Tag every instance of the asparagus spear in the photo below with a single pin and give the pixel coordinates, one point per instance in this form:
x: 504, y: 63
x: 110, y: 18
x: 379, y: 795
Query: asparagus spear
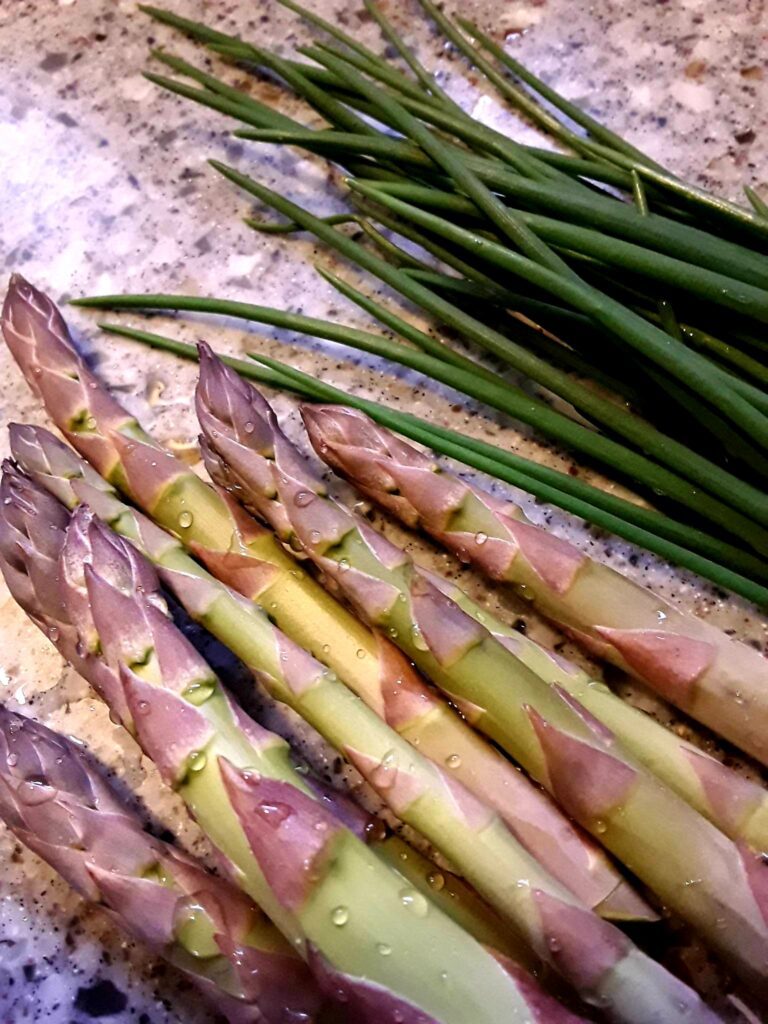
x: 58, y: 804
x: 30, y: 582
x: 555, y: 925
x: 231, y: 545
x: 737, y: 806
x: 370, y: 664
x: 283, y: 847
x: 633, y: 986
x: 542, y: 726
x: 232, y: 415
x: 693, y: 665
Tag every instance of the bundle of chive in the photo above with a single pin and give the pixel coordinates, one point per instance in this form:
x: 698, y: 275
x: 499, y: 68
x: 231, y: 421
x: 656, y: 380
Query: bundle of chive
x: 522, y: 250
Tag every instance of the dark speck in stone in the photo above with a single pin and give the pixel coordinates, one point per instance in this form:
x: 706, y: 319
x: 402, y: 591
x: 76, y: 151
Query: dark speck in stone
x: 53, y: 61
x: 66, y: 120
x: 101, y: 999
x: 167, y: 137
x: 203, y: 245
x: 661, y: 122
x: 744, y: 138
x: 167, y: 836
x: 133, y: 181
x: 30, y: 972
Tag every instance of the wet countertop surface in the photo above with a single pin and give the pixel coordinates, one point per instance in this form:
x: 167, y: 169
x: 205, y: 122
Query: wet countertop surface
x: 104, y: 187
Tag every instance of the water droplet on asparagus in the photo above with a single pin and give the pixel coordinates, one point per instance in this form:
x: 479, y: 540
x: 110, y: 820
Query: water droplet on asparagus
x: 197, y: 761
x: 436, y: 880
x: 418, y: 639
x: 249, y: 427
x: 304, y: 498
x: 383, y: 776
x: 360, y: 652
x: 12, y: 760
x: 275, y: 813
x: 453, y: 761
x: 185, y: 520
x: 143, y: 707
x: 198, y: 693
x: 481, y: 538
x: 414, y: 901
x: 33, y: 792
x: 340, y: 916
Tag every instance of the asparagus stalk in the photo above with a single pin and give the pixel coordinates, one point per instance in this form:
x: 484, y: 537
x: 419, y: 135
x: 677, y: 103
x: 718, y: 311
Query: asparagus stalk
x: 58, y: 804
x: 231, y: 545
x: 232, y: 416
x: 313, y: 875
x: 53, y: 469
x: 553, y: 923
x: 543, y: 727
x: 370, y: 664
x: 737, y: 806
x: 717, y: 680
x: 272, y: 813
x: 408, y: 707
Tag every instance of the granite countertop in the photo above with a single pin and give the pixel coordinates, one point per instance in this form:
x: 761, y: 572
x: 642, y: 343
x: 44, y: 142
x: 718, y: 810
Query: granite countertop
x: 104, y: 187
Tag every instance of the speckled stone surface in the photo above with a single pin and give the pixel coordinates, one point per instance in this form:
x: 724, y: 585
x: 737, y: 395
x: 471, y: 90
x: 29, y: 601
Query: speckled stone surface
x: 104, y: 187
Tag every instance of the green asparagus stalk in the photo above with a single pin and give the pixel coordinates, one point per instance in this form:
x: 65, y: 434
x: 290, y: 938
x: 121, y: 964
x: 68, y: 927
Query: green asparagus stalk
x: 227, y: 407
x: 427, y: 798
x: 57, y: 803
x: 51, y: 468
x: 370, y: 664
x: 277, y: 841
x: 218, y: 768
x: 231, y: 545
x: 644, y: 527
x: 549, y: 733
x: 715, y: 679
x: 408, y: 706
x: 737, y: 806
